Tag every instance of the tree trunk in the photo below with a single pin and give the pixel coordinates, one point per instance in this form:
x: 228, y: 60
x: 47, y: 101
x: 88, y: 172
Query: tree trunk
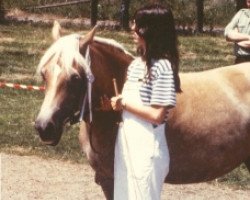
x: 124, y: 20
x: 94, y: 12
x: 1, y: 11
x: 200, y: 15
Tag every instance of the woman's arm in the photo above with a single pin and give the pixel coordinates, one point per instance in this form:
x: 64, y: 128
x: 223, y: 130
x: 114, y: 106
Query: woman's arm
x: 235, y: 36
x: 231, y: 32
x: 154, y: 114
x: 163, y: 95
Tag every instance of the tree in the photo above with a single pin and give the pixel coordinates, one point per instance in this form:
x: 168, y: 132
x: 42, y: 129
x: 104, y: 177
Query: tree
x: 124, y: 19
x: 94, y: 12
x: 200, y: 15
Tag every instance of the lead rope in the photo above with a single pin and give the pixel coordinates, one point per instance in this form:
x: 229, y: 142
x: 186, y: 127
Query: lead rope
x: 135, y: 182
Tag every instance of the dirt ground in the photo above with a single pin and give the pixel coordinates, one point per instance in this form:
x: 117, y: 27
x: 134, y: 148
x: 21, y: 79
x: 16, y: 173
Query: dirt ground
x: 30, y: 177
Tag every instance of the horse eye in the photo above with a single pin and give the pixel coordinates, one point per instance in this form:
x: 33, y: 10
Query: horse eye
x: 75, y: 77
x: 43, y: 76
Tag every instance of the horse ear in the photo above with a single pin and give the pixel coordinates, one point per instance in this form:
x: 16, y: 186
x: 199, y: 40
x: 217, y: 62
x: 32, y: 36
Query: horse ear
x: 88, y: 38
x: 56, y: 31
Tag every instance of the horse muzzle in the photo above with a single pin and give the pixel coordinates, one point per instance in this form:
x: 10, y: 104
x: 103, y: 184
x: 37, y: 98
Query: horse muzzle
x: 49, y: 133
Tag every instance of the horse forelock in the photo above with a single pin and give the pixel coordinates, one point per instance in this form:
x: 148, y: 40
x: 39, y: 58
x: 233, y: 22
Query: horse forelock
x: 64, y: 52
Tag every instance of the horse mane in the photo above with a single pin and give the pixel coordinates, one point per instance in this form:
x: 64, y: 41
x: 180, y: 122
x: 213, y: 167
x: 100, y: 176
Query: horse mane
x: 66, y: 51
x: 112, y: 44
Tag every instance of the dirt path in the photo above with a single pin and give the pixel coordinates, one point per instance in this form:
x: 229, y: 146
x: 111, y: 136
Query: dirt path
x: 30, y: 177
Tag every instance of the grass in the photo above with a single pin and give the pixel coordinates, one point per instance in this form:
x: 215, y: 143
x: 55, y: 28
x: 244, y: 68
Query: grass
x: 204, y: 52
x: 21, y: 47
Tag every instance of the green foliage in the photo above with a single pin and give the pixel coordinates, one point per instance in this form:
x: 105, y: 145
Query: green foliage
x: 219, y: 14
x: 216, y: 12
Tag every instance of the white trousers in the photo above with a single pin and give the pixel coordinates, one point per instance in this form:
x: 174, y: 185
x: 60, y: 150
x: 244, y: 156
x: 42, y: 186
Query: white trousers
x: 141, y: 156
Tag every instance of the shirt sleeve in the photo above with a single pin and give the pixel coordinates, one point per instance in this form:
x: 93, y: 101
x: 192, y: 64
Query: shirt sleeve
x: 233, y: 23
x: 163, y: 89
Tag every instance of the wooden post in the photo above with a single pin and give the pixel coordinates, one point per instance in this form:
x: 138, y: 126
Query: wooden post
x: 1, y: 11
x: 200, y: 15
x: 94, y: 12
x: 124, y: 20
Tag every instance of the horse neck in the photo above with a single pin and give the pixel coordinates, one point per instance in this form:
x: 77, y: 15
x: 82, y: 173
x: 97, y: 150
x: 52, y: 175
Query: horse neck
x: 108, y: 63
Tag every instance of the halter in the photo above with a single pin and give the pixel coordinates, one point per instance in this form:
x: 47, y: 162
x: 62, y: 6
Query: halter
x: 88, y: 95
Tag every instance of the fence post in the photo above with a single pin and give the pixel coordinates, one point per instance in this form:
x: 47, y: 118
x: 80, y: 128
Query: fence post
x: 1, y: 11
x: 124, y: 20
x: 200, y: 15
x: 94, y: 12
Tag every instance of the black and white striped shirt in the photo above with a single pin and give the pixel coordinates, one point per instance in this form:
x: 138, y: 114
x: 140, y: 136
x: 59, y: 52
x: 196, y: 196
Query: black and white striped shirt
x: 159, y: 89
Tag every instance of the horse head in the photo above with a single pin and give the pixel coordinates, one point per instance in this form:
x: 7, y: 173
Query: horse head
x: 63, y: 70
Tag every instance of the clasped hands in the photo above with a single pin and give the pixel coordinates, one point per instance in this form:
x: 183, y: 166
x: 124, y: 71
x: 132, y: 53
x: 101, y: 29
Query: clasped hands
x: 115, y: 103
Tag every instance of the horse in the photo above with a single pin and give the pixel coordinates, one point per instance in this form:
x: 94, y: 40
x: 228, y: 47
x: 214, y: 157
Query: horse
x: 208, y: 132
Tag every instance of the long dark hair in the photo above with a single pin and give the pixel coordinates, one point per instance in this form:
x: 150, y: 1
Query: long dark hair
x: 241, y: 4
x: 155, y: 24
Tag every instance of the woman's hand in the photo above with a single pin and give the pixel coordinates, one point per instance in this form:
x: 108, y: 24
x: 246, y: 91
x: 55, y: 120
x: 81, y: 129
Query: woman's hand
x: 244, y: 44
x: 105, y: 104
x: 116, y: 103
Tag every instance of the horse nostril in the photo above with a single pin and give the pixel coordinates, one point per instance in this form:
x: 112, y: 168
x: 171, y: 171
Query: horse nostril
x: 38, y: 126
x: 50, y: 127
x: 46, y: 130
x: 42, y: 127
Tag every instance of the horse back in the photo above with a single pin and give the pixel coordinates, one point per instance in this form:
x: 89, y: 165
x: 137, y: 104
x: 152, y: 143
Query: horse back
x: 208, y: 132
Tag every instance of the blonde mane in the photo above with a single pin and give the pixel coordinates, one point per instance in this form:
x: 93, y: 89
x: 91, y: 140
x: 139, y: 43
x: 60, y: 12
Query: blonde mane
x: 66, y: 51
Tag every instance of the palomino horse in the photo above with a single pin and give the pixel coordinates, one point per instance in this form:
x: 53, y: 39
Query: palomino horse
x: 208, y: 132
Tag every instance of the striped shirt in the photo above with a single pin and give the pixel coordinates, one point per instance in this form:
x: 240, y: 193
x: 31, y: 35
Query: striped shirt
x: 159, y: 88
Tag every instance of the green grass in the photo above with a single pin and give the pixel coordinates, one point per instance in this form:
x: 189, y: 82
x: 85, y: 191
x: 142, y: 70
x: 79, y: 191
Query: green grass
x: 204, y: 52
x: 21, y: 47
x: 19, y: 109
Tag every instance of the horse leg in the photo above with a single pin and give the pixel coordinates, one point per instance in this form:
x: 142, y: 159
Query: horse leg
x: 247, y: 163
x: 107, y: 185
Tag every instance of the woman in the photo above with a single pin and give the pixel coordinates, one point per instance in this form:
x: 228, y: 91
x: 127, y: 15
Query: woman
x: 238, y: 31
x: 141, y: 151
